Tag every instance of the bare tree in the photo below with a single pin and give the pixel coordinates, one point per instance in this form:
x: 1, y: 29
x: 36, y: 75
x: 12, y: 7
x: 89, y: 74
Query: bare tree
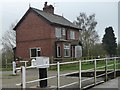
x: 88, y: 35
x: 8, y: 43
x: 9, y: 38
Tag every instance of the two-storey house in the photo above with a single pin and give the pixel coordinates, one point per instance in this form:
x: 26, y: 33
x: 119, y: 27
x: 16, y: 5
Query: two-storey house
x: 43, y: 33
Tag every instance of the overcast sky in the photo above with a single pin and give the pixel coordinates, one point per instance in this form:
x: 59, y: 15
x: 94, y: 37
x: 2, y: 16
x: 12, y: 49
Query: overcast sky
x: 106, y: 11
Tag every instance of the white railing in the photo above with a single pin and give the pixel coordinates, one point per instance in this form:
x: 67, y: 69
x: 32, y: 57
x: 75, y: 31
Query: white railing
x: 115, y: 59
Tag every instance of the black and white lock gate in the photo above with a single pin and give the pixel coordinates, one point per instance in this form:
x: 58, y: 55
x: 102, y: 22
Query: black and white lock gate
x: 42, y: 63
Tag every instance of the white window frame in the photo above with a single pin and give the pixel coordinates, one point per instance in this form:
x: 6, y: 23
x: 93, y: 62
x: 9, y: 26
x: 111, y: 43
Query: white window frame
x: 58, y: 32
x: 58, y: 53
x: 37, y: 49
x: 72, y: 35
x: 67, y: 47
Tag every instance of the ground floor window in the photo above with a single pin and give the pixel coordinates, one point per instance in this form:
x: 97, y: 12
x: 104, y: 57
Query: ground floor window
x: 58, y: 51
x: 66, y: 50
x: 35, y: 52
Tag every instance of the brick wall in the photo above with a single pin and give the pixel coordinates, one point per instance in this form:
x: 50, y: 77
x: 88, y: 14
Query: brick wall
x: 34, y: 32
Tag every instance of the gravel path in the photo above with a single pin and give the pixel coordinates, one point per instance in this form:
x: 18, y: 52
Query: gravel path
x: 9, y: 81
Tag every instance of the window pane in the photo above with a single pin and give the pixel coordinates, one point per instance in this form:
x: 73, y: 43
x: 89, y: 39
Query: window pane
x: 58, y: 32
x: 33, y: 52
x: 66, y: 50
x: 63, y: 31
x: 58, y: 51
x: 72, y: 35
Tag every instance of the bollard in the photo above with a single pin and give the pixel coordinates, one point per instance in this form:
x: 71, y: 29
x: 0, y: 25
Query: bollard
x: 43, y: 74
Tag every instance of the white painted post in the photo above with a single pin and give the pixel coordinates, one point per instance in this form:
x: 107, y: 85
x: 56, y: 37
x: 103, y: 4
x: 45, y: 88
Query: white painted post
x: 14, y: 67
x: 106, y: 76
x: 23, y: 77
x: 80, y: 74
x: 25, y: 64
x: 95, y: 72
x: 114, y: 67
x: 58, y: 75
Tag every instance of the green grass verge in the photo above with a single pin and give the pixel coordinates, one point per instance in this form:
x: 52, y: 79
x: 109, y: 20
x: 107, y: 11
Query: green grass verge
x: 85, y: 66
x: 6, y: 69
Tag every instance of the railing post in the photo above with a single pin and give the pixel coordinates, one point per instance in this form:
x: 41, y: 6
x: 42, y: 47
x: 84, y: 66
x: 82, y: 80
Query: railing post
x: 106, y: 76
x: 14, y: 67
x: 23, y: 77
x: 80, y: 74
x: 58, y: 75
x: 95, y: 72
x: 114, y: 67
x: 25, y: 64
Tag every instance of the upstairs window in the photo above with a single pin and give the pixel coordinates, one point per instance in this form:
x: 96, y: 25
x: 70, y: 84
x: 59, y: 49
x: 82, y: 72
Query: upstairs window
x: 72, y: 35
x: 58, y: 32
x: 34, y: 52
x: 63, y: 31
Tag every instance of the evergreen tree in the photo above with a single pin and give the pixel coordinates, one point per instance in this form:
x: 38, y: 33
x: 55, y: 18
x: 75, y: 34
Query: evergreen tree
x: 109, y: 41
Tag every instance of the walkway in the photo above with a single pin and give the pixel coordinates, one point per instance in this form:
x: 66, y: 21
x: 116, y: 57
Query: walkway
x: 113, y: 83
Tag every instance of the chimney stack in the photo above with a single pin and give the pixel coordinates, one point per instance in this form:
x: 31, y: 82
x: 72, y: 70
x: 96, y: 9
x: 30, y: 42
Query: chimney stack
x: 48, y: 8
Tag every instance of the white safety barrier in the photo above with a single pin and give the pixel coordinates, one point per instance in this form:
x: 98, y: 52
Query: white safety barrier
x: 107, y: 72
x: 15, y: 70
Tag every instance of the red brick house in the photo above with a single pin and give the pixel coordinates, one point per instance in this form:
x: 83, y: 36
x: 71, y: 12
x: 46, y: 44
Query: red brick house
x: 43, y: 33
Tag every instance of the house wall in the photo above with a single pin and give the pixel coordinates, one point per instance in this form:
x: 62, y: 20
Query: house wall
x: 34, y: 32
x: 33, y: 27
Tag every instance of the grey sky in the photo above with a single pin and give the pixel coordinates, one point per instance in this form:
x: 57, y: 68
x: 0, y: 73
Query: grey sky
x: 106, y: 11
x: 119, y: 22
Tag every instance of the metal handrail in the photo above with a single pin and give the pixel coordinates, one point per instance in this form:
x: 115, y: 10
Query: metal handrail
x: 80, y: 71
x: 68, y: 85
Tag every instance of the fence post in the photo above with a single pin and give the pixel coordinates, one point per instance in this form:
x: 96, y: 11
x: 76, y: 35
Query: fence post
x: 95, y: 72
x: 114, y: 67
x: 106, y: 76
x: 58, y: 75
x: 25, y: 64
x: 14, y: 67
x: 80, y: 74
x: 23, y: 77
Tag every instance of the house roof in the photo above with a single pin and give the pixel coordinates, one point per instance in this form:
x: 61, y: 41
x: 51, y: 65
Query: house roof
x: 52, y: 18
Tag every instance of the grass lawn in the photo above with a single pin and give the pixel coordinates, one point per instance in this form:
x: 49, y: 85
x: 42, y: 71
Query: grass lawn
x: 85, y: 66
x: 6, y: 69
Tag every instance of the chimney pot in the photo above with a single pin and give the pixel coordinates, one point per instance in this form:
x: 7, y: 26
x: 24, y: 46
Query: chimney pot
x: 45, y: 4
